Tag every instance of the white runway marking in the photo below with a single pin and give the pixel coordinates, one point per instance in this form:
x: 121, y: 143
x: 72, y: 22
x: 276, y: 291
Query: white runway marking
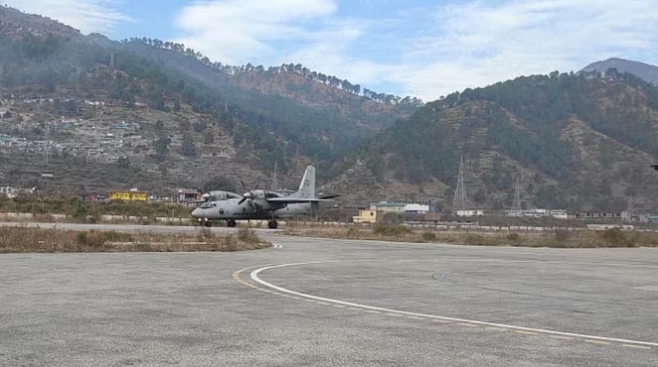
x: 591, y: 338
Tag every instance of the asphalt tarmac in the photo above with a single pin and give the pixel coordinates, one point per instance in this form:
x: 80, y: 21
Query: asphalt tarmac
x: 315, y: 302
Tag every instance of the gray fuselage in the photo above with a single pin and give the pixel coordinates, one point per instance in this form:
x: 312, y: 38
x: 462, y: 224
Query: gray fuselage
x: 231, y: 209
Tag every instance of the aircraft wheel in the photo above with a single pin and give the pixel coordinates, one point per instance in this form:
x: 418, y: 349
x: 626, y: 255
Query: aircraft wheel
x: 207, y: 224
x: 231, y: 223
x: 272, y: 224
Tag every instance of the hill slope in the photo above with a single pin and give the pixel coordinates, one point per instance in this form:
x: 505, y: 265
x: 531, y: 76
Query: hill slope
x: 574, y: 141
x: 193, y: 117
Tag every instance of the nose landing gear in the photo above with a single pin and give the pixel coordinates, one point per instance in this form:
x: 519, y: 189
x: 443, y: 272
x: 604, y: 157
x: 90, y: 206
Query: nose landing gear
x: 272, y: 224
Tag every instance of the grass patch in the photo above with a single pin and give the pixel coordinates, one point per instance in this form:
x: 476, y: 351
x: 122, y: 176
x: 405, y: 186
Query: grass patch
x: 556, y: 239
x: 23, y: 239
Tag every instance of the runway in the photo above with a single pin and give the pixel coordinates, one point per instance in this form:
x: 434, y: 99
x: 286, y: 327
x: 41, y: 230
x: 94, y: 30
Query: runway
x: 316, y: 302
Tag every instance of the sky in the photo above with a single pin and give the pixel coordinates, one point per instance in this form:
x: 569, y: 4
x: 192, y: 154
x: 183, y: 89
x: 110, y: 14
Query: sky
x: 421, y: 48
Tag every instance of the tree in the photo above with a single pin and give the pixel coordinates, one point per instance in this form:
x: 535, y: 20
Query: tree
x: 209, y: 138
x: 184, y: 126
x: 188, y: 148
x: 480, y: 196
x: 161, y: 148
x: 123, y: 163
x: 199, y: 126
x: 219, y: 183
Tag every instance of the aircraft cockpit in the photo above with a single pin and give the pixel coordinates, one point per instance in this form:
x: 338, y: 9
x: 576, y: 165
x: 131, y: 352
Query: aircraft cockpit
x: 208, y: 205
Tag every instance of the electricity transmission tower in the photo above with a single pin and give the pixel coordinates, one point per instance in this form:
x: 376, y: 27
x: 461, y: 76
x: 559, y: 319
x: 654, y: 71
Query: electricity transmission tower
x: 460, y: 202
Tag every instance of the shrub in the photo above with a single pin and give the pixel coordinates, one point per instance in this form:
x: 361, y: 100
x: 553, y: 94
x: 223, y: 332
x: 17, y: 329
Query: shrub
x: 615, y: 237
x: 514, y: 237
x: 352, y: 232
x: 390, y: 230
x: 248, y: 235
x: 474, y: 239
x: 204, y: 233
x: 96, y: 239
x: 429, y: 236
x: 562, y: 235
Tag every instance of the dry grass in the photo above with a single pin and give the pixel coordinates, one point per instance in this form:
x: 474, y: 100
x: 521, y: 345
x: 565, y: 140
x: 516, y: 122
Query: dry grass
x: 24, y: 239
x: 556, y: 239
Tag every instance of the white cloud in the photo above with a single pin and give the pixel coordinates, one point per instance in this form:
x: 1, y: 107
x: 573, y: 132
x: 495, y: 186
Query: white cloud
x: 478, y: 43
x: 241, y: 31
x: 86, y: 15
x: 424, y: 51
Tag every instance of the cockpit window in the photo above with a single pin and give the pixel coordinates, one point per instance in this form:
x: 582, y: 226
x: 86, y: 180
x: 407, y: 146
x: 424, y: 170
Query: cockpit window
x: 208, y: 205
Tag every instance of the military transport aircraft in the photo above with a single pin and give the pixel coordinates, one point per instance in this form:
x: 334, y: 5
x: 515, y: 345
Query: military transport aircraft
x: 260, y: 204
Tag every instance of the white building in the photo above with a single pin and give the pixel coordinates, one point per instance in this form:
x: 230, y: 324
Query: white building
x: 416, y: 208
x: 470, y: 213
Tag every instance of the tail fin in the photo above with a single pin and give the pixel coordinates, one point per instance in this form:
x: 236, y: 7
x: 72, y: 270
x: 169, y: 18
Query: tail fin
x: 307, y: 186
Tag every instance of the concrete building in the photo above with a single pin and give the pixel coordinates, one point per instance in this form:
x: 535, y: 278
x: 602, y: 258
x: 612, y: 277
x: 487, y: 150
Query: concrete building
x: 129, y: 195
x: 368, y: 216
x: 470, y: 213
x: 416, y: 208
x: 387, y: 207
x: 538, y: 213
x: 189, y: 196
x: 623, y: 216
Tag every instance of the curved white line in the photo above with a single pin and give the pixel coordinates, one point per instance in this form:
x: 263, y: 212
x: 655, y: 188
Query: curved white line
x: 256, y: 278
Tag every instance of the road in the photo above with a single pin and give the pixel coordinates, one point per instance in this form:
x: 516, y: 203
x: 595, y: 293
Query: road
x: 316, y: 302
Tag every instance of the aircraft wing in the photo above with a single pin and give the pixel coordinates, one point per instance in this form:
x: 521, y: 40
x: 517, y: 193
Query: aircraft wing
x: 287, y: 200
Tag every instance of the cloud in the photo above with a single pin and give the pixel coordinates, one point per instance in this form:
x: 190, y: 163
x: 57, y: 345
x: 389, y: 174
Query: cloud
x: 477, y: 43
x: 425, y: 50
x: 240, y: 31
x: 86, y: 15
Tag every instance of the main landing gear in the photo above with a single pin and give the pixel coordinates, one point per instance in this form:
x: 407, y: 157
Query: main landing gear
x: 231, y: 223
x: 272, y: 224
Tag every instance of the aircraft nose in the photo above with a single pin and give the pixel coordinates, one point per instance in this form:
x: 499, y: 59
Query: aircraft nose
x: 197, y: 213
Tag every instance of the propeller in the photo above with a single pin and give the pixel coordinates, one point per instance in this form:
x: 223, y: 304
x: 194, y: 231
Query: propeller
x: 248, y: 195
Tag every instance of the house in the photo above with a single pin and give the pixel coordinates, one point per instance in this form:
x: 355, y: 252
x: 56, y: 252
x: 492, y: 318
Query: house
x: 470, y: 213
x: 387, y: 207
x: 368, y: 216
x: 189, y: 197
x: 624, y: 215
x: 416, y: 208
x: 538, y: 213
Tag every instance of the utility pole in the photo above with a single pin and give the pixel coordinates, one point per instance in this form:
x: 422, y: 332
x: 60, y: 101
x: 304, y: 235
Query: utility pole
x: 46, y: 153
x: 275, y: 185
x: 516, y: 205
x: 460, y: 201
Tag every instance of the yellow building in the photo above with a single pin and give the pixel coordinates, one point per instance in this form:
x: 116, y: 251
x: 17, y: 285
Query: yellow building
x: 368, y: 216
x: 129, y: 195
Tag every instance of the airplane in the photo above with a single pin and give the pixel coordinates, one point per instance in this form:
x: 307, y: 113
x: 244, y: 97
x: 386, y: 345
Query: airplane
x: 261, y: 204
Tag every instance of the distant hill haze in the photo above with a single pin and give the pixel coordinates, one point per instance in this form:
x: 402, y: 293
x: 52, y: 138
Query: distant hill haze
x: 647, y: 72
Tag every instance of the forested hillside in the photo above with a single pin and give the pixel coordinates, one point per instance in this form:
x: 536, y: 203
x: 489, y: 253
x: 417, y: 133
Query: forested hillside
x: 574, y: 141
x: 288, y: 114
